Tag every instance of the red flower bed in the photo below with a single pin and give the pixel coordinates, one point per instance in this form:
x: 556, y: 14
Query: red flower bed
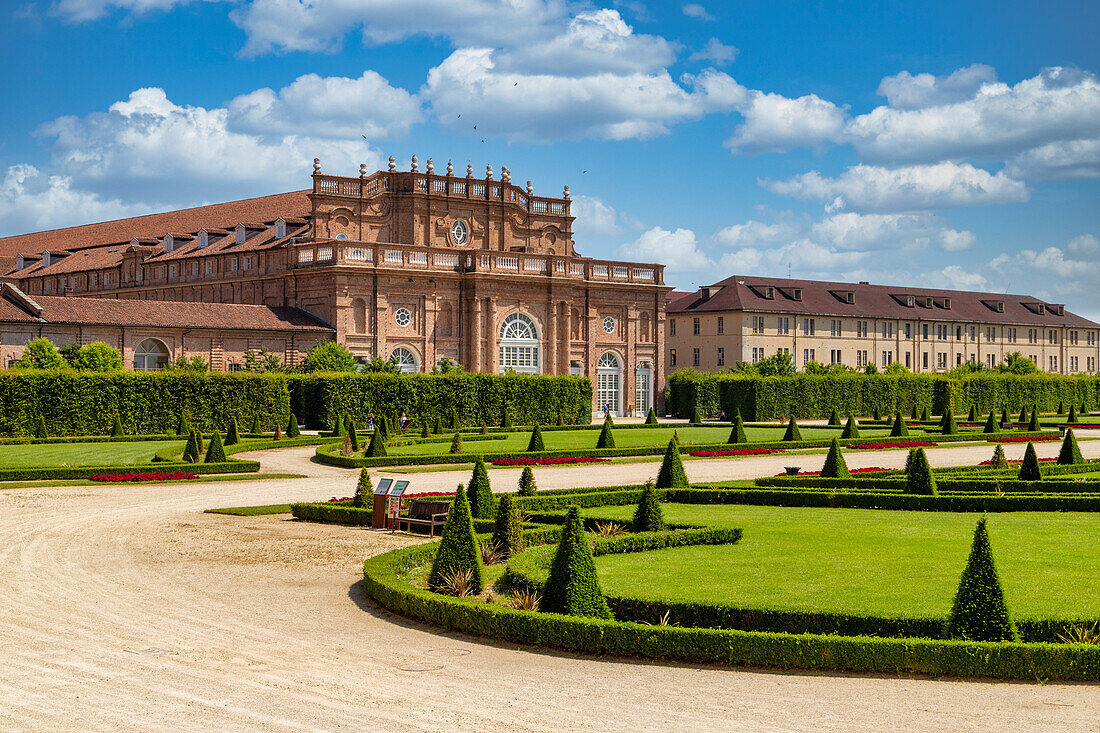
x: 869, y: 469
x: 909, y: 444
x: 734, y: 452
x: 334, y: 500
x: 546, y: 461
x: 1041, y: 460
x: 422, y: 494
x: 118, y: 478
x: 1022, y: 439
x: 1081, y: 426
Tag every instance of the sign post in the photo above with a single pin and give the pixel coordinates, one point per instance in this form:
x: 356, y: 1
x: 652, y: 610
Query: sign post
x: 393, y: 507
x: 378, y: 513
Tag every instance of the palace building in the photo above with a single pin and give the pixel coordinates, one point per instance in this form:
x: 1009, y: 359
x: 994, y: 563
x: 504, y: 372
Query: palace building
x: 747, y: 318
x: 413, y: 265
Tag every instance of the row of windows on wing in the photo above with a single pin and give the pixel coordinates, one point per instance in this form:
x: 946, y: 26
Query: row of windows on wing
x: 210, y: 267
x: 515, y: 326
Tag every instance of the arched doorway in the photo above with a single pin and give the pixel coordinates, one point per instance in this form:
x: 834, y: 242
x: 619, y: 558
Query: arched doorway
x: 150, y: 356
x: 609, y: 380
x: 643, y: 388
x: 406, y: 360
x: 519, y: 344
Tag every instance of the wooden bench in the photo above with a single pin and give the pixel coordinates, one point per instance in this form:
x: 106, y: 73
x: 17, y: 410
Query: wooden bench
x: 430, y: 514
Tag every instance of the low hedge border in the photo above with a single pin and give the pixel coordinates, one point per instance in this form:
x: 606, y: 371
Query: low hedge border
x: 169, y: 455
x: 383, y: 583
x: 89, y: 439
x: 78, y: 472
x: 896, y: 501
x: 944, y: 485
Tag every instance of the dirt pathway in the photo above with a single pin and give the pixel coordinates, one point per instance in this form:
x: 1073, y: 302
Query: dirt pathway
x: 127, y: 609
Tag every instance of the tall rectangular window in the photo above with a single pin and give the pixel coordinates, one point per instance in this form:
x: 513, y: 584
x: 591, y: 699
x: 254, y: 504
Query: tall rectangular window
x: 783, y: 326
x: 672, y: 357
x: 908, y: 330
x: 721, y: 324
x: 695, y: 357
x: 695, y: 326
x: 671, y: 326
x: 721, y: 356
x: 808, y: 327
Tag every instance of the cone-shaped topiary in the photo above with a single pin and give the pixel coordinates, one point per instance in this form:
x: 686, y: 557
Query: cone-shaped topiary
x: 834, y: 419
x: 979, y: 612
x: 191, y: 450
x: 198, y: 440
x: 216, y: 452
x: 527, y: 485
x: 478, y: 492
x: 573, y: 587
x: 292, y: 427
x: 505, y: 418
x: 1072, y: 419
x: 1029, y: 469
x: 364, y: 490
x: 353, y: 435
x: 1084, y: 408
x: 508, y: 527
x: 671, y: 475
x: 1004, y: 416
x: 998, y: 460
x: 918, y: 474
x: 116, y: 427
x: 648, y: 516
x: 916, y: 412
x: 835, y: 466
x: 337, y: 428
x: 456, y: 443
x: 458, y: 550
x: 424, y: 432
x: 561, y: 420
x: 535, y: 444
x: 437, y: 426
x: 990, y: 424
x: 40, y: 428
x: 1033, y: 425
x: 377, y: 445
x: 232, y: 437
x: 973, y: 416
x: 925, y: 416
x: 1023, y: 416
x: 696, y: 417
x: 484, y: 429
x: 851, y: 428
x: 676, y: 436
x: 454, y: 420
x: 255, y: 429
x: 899, y: 428
x: 947, y: 424
x: 1070, y: 453
x: 607, y: 438
x: 383, y: 427
x: 1061, y: 408
x: 793, y: 432
x: 877, y: 413
x: 182, y: 426
x: 651, y: 417
x: 737, y: 434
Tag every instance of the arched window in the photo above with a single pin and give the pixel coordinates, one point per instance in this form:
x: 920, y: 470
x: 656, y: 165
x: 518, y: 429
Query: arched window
x: 519, y: 344
x: 150, y: 355
x: 406, y: 360
x: 609, y: 379
x: 359, y: 316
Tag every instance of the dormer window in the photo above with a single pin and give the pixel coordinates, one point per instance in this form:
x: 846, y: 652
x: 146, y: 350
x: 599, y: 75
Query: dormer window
x: 850, y: 297
x: 797, y: 294
x: 1000, y: 306
x: 1042, y: 309
x: 169, y: 243
x: 241, y: 233
x: 46, y: 258
x: 909, y: 301
x: 769, y: 293
x: 19, y: 263
x: 280, y: 228
x: 204, y: 238
x: 947, y: 303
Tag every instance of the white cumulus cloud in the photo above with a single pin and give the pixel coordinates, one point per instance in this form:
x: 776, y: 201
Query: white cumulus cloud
x: 774, y: 123
x: 914, y: 91
x: 697, y: 11
x: 31, y: 200
x: 594, y: 217
x: 676, y: 249
x: 79, y: 11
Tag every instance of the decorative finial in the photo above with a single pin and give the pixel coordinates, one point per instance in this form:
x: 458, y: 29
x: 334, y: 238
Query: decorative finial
x: 393, y: 163
x: 450, y: 168
x: 316, y: 166
x: 505, y: 174
x: 528, y: 188
x: 566, y: 194
x: 431, y: 166
x: 414, y: 162
x: 362, y: 170
x: 488, y: 172
x: 469, y: 170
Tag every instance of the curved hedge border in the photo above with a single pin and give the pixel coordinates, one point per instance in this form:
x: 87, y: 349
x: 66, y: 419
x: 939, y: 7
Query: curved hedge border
x: 1004, y: 660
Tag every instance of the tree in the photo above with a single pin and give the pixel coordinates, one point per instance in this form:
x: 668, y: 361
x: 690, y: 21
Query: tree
x: 337, y: 428
x: 424, y: 431
x: 1033, y: 425
x: 651, y: 417
x: 116, y: 427
x: 835, y: 466
x: 262, y: 361
x: 1029, y: 469
x: 378, y: 365
x: 191, y: 450
x: 870, y: 368
x: 232, y: 437
x: 815, y: 368
x: 535, y: 444
x: 1017, y: 363
x: 69, y: 351
x: 607, y: 438
x: 925, y: 416
x: 456, y: 443
x: 330, y: 356
x: 947, y: 424
x: 377, y: 445
x: 39, y: 353
x: 998, y: 460
x: 899, y: 428
x: 877, y: 415
x: 895, y: 369
x: 776, y: 365
x: 696, y: 416
x: 834, y: 419
x: 364, y: 489
x: 195, y: 364
x: 97, y: 356
x: 527, y: 485
x: 978, y: 612
x: 793, y: 433
x: 737, y: 434
x: 973, y: 416
x: 446, y: 366
x: 919, y: 478
x: 851, y: 428
x: 198, y: 441
x: 648, y: 516
x: 1070, y: 453
x: 479, y: 493
x: 458, y: 550
x: 1004, y: 416
x: 1061, y: 408
x: 573, y: 587
x: 671, y: 475
x: 353, y: 436
x: 990, y: 424
x: 1023, y: 417
x: 508, y: 527
x: 216, y: 452
x: 1072, y: 419
x: 292, y: 427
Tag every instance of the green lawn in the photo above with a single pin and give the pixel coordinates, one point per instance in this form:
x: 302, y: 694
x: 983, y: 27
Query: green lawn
x: 863, y: 561
x: 81, y: 454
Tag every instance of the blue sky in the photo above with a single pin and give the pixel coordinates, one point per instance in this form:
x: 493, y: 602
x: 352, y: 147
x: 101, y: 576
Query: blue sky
x: 950, y: 144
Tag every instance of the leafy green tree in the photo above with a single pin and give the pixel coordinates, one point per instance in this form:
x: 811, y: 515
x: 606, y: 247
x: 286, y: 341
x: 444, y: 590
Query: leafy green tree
x: 835, y: 466
x: 527, y: 485
x: 815, y: 368
x: 776, y: 365
x: 377, y: 445
x: 895, y: 369
x: 607, y: 438
x: 69, y: 351
x: 870, y: 368
x: 737, y: 434
x: 262, y: 360
x: 330, y: 356
x: 573, y: 588
x: 479, y: 493
x: 232, y: 437
x: 378, y: 365
x: 292, y: 430
x: 39, y: 353
x: 216, y: 452
x: 364, y: 490
x: 793, y: 433
x: 648, y: 516
x: 1070, y: 453
x: 671, y: 475
x: 195, y: 364
x: 899, y: 428
x: 116, y: 427
x: 97, y: 356
x: 919, y: 478
x: 535, y: 444
x: 446, y: 366
x: 978, y: 612
x: 1029, y: 469
x: 851, y: 428
x: 1017, y: 363
x: 651, y: 417
x: 508, y: 527
x: 458, y: 550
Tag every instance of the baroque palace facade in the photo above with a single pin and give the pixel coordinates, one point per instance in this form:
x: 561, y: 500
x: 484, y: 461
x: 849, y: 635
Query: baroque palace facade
x: 747, y: 318
x: 413, y: 265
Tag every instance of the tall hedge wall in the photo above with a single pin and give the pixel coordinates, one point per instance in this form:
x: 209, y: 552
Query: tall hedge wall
x: 474, y: 398
x: 806, y: 396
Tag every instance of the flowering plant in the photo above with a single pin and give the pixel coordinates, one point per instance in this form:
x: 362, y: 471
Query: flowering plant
x: 1022, y: 439
x: 869, y: 469
x: 990, y: 463
x: 735, y: 452
x: 546, y: 461
x: 117, y: 478
x: 901, y: 444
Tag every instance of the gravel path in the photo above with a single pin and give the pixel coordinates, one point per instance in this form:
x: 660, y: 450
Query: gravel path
x: 127, y: 609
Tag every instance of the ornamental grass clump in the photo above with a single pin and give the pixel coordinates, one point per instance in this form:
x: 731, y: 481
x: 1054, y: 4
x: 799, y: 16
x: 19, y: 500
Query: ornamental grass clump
x: 292, y: 427
x: 1033, y: 425
x: 651, y: 417
x: 191, y: 450
x: 834, y: 419
x: 998, y: 460
x: 918, y: 474
x: 737, y: 434
x: 377, y: 446
x: 508, y: 527
x: 607, y: 438
x: 232, y: 437
x: 216, y: 452
x: 793, y: 433
x: 696, y: 417
x: 535, y: 444
x: 458, y: 549
x: 479, y: 493
x: 116, y: 427
x: 456, y: 443
x: 648, y: 516
x: 979, y: 612
x: 671, y: 475
x: 527, y: 485
x: 573, y: 587
x: 990, y: 424
x: 1029, y: 469
x: 1070, y: 454
x: 835, y: 466
x: 947, y: 424
x: 364, y: 490
x: 899, y: 428
x: 851, y: 428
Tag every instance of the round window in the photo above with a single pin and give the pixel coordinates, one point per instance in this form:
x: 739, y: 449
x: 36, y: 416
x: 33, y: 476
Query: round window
x: 402, y: 316
x: 459, y: 232
x: 609, y: 324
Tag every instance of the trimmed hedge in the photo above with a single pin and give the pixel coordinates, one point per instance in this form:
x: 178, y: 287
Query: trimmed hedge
x: 77, y: 472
